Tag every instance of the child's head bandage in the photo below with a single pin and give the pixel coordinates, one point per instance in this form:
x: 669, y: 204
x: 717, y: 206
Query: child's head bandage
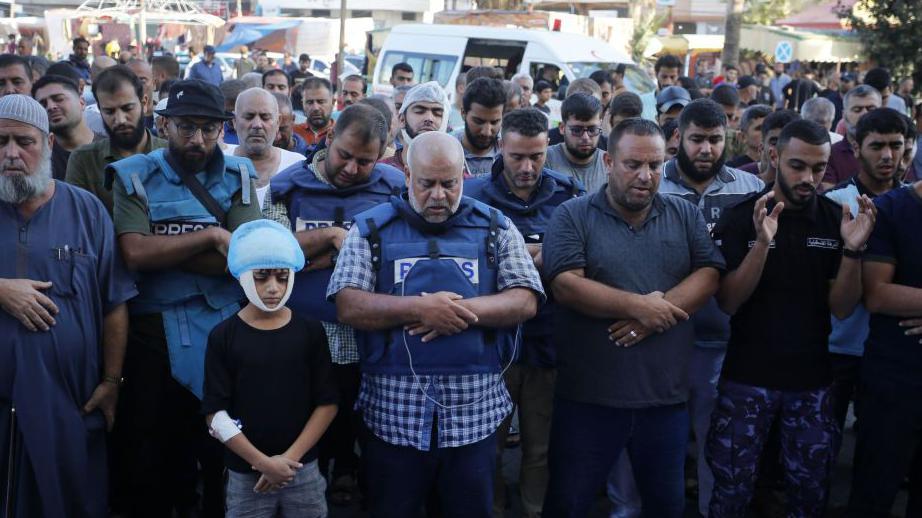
x: 263, y: 245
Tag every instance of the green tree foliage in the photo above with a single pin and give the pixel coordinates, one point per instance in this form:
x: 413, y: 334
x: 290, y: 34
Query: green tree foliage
x: 891, y: 31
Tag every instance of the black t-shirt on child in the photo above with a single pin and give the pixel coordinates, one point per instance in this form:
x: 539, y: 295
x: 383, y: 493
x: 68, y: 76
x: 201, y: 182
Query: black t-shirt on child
x: 270, y: 380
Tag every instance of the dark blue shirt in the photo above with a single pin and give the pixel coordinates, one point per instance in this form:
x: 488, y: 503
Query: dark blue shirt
x: 208, y: 73
x: 889, y: 352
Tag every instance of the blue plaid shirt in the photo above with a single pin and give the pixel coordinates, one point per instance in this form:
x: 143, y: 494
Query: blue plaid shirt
x: 396, y: 408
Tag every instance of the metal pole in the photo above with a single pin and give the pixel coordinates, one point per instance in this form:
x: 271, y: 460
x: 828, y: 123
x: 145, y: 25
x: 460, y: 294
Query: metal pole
x: 239, y: 8
x: 342, y: 43
x: 142, y: 32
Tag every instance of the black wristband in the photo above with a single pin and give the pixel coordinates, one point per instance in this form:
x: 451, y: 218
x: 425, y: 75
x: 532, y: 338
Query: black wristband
x: 852, y: 254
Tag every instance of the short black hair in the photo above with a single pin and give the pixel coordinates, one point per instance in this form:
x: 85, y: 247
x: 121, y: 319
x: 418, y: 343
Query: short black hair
x: 166, y: 63
x: 276, y: 72
x: 64, y: 68
x: 667, y: 61
x: 528, y: 122
x: 670, y: 127
x: 51, y: 79
x: 778, y: 120
x: 601, y: 77
x: 365, y: 121
x: 79, y: 39
x: 580, y: 106
x: 9, y: 60
x: 382, y: 108
x: 803, y: 130
x: 110, y: 79
x: 635, y: 126
x: 542, y: 85
x: 405, y: 67
x: 726, y: 95
x: 882, y: 121
x: 484, y: 91
x: 911, y: 130
x: 879, y: 78
x: 303, y: 57
x: 626, y: 104
x: 753, y: 113
x: 312, y: 83
x: 691, y: 86
x: 704, y: 113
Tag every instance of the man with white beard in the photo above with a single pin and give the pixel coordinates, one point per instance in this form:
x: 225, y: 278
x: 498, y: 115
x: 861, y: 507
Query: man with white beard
x: 64, y: 324
x: 256, y: 118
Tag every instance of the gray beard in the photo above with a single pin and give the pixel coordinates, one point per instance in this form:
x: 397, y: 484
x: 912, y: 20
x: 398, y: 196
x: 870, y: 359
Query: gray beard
x: 19, y: 189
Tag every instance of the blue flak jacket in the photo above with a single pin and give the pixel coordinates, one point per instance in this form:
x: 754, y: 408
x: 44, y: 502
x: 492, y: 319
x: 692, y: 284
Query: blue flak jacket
x: 191, y: 304
x: 532, y: 218
x: 413, y: 256
x: 315, y: 204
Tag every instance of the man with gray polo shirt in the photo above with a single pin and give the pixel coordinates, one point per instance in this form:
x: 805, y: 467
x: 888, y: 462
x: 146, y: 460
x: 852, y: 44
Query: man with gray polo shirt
x: 625, y: 301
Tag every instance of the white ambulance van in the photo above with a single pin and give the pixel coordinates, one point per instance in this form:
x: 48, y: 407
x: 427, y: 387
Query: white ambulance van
x: 441, y: 52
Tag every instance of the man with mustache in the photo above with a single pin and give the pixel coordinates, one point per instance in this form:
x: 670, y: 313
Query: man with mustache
x: 578, y: 155
x: 880, y: 139
x: 256, y: 118
x: 424, y: 109
x: 795, y: 256
x: 699, y: 175
x: 843, y: 163
x: 121, y: 99
x: 286, y: 138
x: 61, y: 98
x: 438, y: 284
x: 627, y: 266
x: 317, y: 102
x: 174, y: 210
x: 527, y: 192
x: 318, y: 200
x: 771, y: 129
x: 482, y: 110
x: 64, y: 321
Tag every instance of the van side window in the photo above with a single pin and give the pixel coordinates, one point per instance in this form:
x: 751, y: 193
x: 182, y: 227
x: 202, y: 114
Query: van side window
x: 426, y: 67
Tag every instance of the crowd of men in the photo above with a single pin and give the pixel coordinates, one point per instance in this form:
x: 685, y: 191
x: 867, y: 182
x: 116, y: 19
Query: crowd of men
x: 255, y: 296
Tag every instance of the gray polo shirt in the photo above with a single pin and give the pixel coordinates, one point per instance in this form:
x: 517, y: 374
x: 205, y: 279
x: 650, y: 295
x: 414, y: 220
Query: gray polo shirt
x: 593, y: 175
x: 477, y: 165
x: 659, y: 254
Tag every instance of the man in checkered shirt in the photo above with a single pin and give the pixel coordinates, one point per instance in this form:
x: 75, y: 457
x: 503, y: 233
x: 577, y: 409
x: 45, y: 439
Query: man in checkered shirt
x: 435, y: 334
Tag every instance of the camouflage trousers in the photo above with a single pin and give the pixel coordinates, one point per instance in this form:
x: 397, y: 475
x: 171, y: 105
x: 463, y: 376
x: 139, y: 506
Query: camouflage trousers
x: 739, y: 427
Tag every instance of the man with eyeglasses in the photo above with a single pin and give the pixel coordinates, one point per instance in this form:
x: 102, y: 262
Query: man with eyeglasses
x: 174, y: 211
x: 578, y: 155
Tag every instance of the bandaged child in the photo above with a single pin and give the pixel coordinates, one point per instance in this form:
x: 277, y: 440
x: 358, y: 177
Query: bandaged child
x: 269, y: 396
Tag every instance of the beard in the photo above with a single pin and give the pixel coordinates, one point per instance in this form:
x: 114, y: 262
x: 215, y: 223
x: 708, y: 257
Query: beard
x: 687, y: 166
x: 440, y: 218
x: 190, y: 164
x: 575, y: 151
x: 476, y: 141
x: 129, y: 141
x: 790, y: 195
x: 19, y: 188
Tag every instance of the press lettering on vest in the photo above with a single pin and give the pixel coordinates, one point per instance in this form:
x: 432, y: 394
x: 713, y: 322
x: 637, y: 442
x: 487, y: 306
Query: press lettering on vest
x: 469, y: 267
x: 305, y: 224
x: 169, y: 228
x: 824, y: 243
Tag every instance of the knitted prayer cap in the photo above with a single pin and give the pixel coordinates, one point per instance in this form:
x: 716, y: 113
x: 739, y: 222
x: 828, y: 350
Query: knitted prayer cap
x: 25, y: 109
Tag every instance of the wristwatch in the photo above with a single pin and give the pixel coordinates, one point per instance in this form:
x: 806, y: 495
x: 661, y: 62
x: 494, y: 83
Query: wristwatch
x: 118, y: 381
x: 852, y: 254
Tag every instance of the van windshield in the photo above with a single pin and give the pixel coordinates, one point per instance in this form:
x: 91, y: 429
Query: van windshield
x: 426, y: 67
x: 635, y: 79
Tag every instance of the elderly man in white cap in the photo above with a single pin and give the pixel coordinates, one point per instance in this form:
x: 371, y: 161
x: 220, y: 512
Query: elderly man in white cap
x: 64, y: 325
x: 425, y: 108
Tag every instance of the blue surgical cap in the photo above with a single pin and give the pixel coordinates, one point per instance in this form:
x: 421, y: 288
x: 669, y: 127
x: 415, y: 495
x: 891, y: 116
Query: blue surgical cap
x: 263, y: 245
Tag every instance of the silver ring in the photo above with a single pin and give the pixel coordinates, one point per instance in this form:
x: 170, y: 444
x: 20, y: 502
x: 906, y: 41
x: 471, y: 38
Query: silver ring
x: 633, y: 334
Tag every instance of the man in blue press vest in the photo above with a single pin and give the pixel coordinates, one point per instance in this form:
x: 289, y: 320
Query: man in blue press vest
x: 527, y: 192
x: 438, y: 284
x: 319, y: 200
x: 174, y: 210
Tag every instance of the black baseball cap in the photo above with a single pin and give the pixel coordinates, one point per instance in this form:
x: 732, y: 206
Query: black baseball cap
x: 195, y: 98
x: 671, y: 96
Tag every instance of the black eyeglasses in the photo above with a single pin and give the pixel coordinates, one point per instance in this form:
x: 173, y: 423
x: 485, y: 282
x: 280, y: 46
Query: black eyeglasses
x: 592, y: 131
x: 209, y: 131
